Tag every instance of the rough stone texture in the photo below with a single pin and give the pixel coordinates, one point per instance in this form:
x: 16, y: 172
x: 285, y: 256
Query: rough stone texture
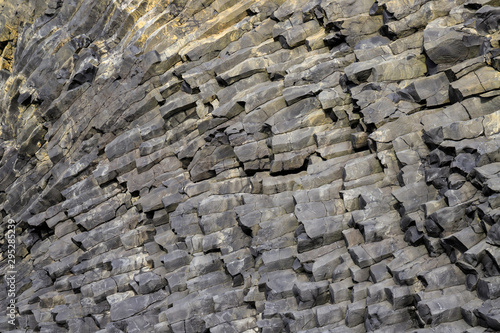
x: 250, y: 166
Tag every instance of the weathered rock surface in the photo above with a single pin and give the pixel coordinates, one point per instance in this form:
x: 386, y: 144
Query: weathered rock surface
x: 250, y: 166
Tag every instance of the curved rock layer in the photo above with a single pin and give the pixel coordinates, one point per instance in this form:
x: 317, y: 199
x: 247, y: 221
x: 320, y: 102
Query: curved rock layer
x: 251, y: 166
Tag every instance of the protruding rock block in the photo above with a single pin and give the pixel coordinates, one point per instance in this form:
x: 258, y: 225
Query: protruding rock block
x: 443, y: 309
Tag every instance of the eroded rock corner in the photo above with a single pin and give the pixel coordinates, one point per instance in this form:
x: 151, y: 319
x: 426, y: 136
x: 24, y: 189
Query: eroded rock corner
x: 251, y: 166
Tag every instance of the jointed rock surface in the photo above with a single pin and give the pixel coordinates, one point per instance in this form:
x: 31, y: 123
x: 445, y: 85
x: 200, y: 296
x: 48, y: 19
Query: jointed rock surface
x: 251, y: 166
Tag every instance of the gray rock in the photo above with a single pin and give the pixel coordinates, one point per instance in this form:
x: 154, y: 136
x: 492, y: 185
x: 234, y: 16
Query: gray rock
x: 361, y: 167
x: 488, y: 288
x: 433, y: 90
x: 360, y: 256
x: 376, y: 293
x: 277, y: 259
x: 208, y: 280
x: 300, y: 320
x: 252, y: 151
x: 448, y: 219
x: 234, y: 315
x: 381, y: 316
x: 121, y: 165
x: 463, y: 240
x: 242, y: 70
x: 312, y: 293
x: 387, y: 68
x: 463, y: 194
x: 279, y: 284
x: 355, y: 313
x: 217, y: 222
x: 494, y: 234
x: 289, y: 118
x: 467, y: 311
x: 100, y: 214
x: 281, y: 230
x: 62, y: 247
x: 149, y: 282
x: 204, y: 264
x: 341, y: 291
x: 484, y: 79
x: 399, y: 127
x: 447, y: 45
x: 177, y: 280
x: 290, y: 160
x: 296, y: 35
x: 344, y: 9
x: 314, y: 166
x: 176, y: 259
x: 380, y: 228
x: 413, y: 195
x: 133, y: 305
x: 442, y: 277
x: 328, y: 229
x: 323, y: 267
x: 227, y: 240
x: 443, y: 309
x: 83, y: 325
x: 488, y: 313
x: 178, y: 102
x: 123, y: 144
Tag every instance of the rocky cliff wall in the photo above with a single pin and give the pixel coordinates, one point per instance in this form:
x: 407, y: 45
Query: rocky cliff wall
x: 250, y: 166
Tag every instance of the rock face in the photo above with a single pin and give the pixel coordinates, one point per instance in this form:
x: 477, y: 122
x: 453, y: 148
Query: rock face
x: 250, y: 166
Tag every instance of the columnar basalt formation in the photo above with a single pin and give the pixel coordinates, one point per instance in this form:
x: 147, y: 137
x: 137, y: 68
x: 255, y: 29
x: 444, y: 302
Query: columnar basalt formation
x: 251, y: 165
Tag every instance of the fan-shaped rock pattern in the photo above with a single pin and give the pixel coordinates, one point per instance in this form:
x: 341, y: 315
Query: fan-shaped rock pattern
x: 250, y: 166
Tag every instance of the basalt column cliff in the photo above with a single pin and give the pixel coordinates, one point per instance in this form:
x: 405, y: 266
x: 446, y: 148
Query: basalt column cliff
x: 221, y: 166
